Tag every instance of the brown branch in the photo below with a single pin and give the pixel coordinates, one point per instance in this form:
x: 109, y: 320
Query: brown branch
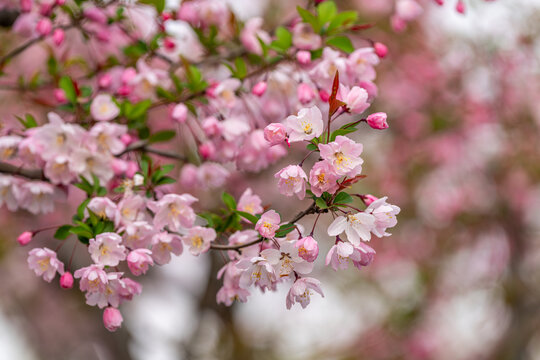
x: 143, y: 146
x: 32, y: 174
x: 312, y: 209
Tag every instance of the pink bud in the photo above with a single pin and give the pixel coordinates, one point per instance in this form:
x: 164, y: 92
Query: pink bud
x: 58, y: 37
x: 124, y: 90
x: 368, y: 199
x: 127, y: 139
x: 25, y: 238
x: 105, y: 81
x: 26, y: 5
x: 460, y: 7
x: 188, y: 12
x: 323, y: 95
x: 112, y: 319
x: 303, y: 57
x: 119, y: 166
x: 166, y: 16
x: 275, y: 133
x: 60, y: 96
x: 440, y: 2
x: 179, y: 113
x: 66, y: 280
x: 207, y: 150
x: 128, y: 75
x: 169, y: 44
x: 44, y: 27
x: 305, y: 93
x: 308, y: 249
x: 211, y: 126
x: 380, y: 49
x: 60, y: 2
x: 96, y: 15
x: 45, y: 9
x: 259, y: 88
x: 377, y: 121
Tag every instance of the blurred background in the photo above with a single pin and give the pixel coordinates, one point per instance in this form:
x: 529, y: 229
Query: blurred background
x: 460, y: 277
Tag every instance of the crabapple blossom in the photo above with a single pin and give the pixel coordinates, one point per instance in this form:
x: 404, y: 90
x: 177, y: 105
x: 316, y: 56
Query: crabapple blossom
x: 385, y: 216
x: 357, y: 227
x: 112, y: 319
x: 250, y: 202
x: 231, y: 289
x: 66, y: 280
x: 139, y: 260
x: 292, y: 180
x: 138, y: 234
x: 103, y: 108
x: 305, y: 93
x: 344, y: 155
x: 25, y: 238
x: 107, y: 249
x: 300, y: 291
x: 287, y: 260
x: 356, y: 99
x: 259, y: 88
x: 268, y: 224
x: 308, y: 124
x: 308, y: 249
x: 165, y: 244
x: 323, y: 177
x: 377, y: 121
x: 339, y: 255
x: 43, y: 262
x: 93, y: 278
x: 199, y: 239
x: 179, y: 113
x: 304, y: 38
x: 275, y: 133
x: 257, y: 270
x: 173, y: 211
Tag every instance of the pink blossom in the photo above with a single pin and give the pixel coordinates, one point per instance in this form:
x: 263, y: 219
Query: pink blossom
x: 304, y: 38
x: 179, y: 113
x: 107, y: 249
x: 275, y: 133
x: 173, y: 211
x: 103, y: 207
x: 380, y: 49
x: 308, y: 249
x: 212, y: 175
x: 139, y: 260
x: 305, y: 93
x: 286, y: 260
x: 112, y: 319
x: 96, y: 15
x: 357, y: 227
x: 256, y: 270
x: 37, y: 197
x: 460, y: 7
x: 408, y: 10
x: 323, y: 177
x: 339, y: 255
x: 292, y: 180
x: 268, y: 224
x: 377, y: 121
x: 300, y: 291
x: 250, y: 203
x: 385, y: 216
x: 163, y: 244
x: 360, y: 64
x: 107, y: 137
x: 25, y: 238
x: 344, y: 155
x: 57, y: 170
x: 207, y: 150
x: 368, y: 199
x: 103, y: 108
x: 241, y: 238
x: 87, y: 163
x: 211, y: 126
x: 356, y: 99
x: 93, y: 278
x: 66, y: 280
x: 44, y: 27
x: 130, y: 209
x: 308, y: 124
x: 231, y: 289
x: 325, y: 70
x: 129, y: 288
x: 224, y: 92
x: 45, y: 263
x: 138, y: 234
x: 8, y: 146
x: 9, y: 192
x: 198, y: 239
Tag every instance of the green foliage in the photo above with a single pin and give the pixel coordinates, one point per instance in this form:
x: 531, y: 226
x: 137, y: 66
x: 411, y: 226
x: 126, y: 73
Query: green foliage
x: 284, y: 230
x: 161, y: 136
x: 68, y: 86
x: 283, y: 40
x: 28, y: 122
x: 228, y: 200
x: 342, y: 43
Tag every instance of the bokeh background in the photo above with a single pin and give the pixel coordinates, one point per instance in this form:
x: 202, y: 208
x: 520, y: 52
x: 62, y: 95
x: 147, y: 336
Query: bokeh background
x: 460, y: 277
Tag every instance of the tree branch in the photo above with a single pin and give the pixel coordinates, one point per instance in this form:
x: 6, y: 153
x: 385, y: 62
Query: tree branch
x: 143, y: 146
x: 32, y: 174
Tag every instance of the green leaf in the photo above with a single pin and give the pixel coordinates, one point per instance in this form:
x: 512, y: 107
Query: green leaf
x: 321, y: 203
x: 284, y: 230
x: 341, y: 132
x: 241, y: 68
x: 161, y: 136
x: 67, y: 85
x: 63, y: 232
x: 158, y: 4
x: 309, y: 18
x: 165, y: 180
x: 283, y: 39
x: 342, y: 19
x: 81, y: 208
x: 343, y: 198
x: 135, y: 111
x: 81, y: 231
x: 326, y: 12
x: 342, y: 43
x: 250, y: 217
x: 228, y: 200
x: 312, y: 147
x: 162, y: 93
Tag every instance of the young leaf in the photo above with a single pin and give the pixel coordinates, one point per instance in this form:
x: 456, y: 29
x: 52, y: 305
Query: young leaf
x: 67, y: 85
x: 309, y: 18
x: 343, y: 198
x: 63, y: 232
x: 228, y: 200
x: 326, y: 12
x: 321, y: 203
x: 250, y: 217
x: 161, y: 136
x: 342, y: 43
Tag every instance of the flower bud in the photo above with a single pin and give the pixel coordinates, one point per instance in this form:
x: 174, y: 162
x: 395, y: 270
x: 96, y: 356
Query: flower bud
x: 211, y: 126
x: 207, y: 150
x: 44, y: 27
x: 58, y: 37
x: 179, y: 113
x: 132, y: 168
x: 308, y: 249
x: 303, y: 57
x: 275, y: 133
x: 368, y: 199
x: 26, y: 5
x: 259, y: 88
x: 105, y: 81
x: 324, y: 95
x: 380, y: 49
x: 460, y: 7
x: 305, y: 93
x: 66, y: 280
x: 169, y: 44
x: 25, y: 238
x: 112, y: 319
x: 377, y: 121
